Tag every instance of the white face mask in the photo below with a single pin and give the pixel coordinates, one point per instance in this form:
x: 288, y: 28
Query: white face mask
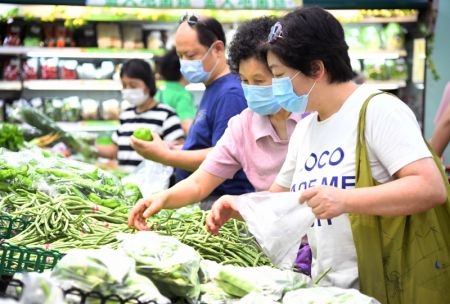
x: 136, y: 97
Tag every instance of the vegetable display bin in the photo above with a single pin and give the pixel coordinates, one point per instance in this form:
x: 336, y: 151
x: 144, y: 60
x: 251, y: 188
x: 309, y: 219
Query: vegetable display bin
x: 23, y: 259
x: 10, y: 226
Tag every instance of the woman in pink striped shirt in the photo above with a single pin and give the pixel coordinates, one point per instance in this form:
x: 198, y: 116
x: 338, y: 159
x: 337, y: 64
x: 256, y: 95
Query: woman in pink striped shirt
x: 256, y: 140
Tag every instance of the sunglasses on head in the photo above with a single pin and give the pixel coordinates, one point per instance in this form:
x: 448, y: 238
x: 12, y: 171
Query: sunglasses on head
x: 275, y: 32
x: 191, y: 19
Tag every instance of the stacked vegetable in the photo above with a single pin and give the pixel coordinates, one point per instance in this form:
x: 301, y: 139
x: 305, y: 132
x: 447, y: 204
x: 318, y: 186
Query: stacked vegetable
x: 233, y: 246
x: 69, y: 204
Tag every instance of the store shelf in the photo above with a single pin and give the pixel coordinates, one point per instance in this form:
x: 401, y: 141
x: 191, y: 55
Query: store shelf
x: 10, y: 86
x: 195, y: 87
x: 72, y: 85
x: 81, y: 52
x: 89, y: 126
x: 386, y: 85
x: 377, y: 54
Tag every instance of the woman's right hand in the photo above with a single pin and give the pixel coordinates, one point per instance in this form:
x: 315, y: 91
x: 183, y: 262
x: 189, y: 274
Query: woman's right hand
x: 144, y: 209
x: 221, y: 212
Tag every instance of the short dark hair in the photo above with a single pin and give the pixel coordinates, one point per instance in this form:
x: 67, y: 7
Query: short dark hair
x: 250, y: 41
x: 168, y: 66
x: 209, y: 30
x: 310, y: 34
x: 140, y: 69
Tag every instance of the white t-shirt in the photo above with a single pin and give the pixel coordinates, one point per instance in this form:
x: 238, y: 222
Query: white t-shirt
x: 323, y: 152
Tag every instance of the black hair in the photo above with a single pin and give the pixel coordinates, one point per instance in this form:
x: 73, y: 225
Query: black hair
x: 310, y: 34
x: 168, y: 66
x: 209, y: 30
x: 250, y: 41
x: 140, y: 69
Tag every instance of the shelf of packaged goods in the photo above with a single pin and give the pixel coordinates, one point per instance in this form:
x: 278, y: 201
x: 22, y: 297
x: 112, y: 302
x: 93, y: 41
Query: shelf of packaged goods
x: 10, y: 86
x: 90, y: 126
x: 72, y: 85
x: 377, y: 54
x: 94, y: 53
x: 386, y: 85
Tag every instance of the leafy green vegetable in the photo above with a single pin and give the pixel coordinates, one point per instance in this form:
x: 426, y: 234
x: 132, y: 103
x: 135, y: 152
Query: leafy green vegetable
x: 11, y: 137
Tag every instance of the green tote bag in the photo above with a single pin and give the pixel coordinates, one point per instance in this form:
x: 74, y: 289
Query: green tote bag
x: 402, y: 259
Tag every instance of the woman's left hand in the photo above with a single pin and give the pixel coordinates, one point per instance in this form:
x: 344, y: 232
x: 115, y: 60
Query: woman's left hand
x: 155, y: 150
x: 326, y: 202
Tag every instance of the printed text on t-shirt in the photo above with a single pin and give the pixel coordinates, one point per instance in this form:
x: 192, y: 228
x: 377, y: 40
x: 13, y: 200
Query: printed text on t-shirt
x: 318, y: 161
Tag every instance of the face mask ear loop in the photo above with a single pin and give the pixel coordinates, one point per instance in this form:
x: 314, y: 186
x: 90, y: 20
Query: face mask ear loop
x: 312, y: 87
x: 207, y: 53
x: 215, y: 65
x: 296, y: 74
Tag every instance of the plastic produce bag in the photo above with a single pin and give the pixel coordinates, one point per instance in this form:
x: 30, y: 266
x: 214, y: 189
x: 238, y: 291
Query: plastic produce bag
x: 278, y: 222
x: 93, y: 269
x: 151, y: 177
x: 106, y: 271
x: 237, y: 281
x: 255, y: 298
x: 171, y: 265
x: 39, y: 288
x: 329, y: 295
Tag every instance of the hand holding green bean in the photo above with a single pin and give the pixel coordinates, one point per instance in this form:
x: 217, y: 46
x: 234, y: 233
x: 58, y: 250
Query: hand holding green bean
x: 221, y: 212
x: 144, y: 209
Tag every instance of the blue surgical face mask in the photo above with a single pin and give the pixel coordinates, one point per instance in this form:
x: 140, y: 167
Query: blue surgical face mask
x: 193, y: 70
x: 284, y: 94
x: 260, y: 99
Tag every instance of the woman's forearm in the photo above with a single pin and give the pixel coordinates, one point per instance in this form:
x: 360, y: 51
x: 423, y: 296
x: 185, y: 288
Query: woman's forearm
x: 193, y: 189
x: 407, y: 195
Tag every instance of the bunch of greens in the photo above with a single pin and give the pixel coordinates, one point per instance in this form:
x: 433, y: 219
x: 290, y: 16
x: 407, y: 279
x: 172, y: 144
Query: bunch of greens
x: 11, y: 137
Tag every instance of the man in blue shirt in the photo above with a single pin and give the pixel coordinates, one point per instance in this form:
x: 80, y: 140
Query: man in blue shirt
x: 200, y: 44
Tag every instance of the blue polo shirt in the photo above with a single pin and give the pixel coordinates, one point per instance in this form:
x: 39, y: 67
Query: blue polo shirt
x: 221, y: 100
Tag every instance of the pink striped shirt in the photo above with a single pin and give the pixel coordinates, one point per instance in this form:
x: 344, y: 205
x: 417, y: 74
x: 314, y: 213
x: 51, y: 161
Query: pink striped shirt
x: 251, y: 143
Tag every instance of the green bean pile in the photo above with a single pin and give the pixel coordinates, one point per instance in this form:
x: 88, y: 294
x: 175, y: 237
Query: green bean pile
x: 234, y: 245
x: 63, y: 222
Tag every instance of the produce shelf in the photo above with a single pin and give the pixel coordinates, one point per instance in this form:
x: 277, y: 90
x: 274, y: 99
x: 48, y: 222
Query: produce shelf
x: 10, y: 86
x: 85, y: 85
x: 73, y: 85
x: 90, y: 126
x: 386, y: 84
x: 81, y: 52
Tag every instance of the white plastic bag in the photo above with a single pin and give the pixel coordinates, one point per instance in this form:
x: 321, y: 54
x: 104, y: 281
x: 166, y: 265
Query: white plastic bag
x: 239, y: 281
x: 329, y: 295
x: 151, y: 177
x: 170, y: 264
x: 39, y: 288
x: 278, y: 222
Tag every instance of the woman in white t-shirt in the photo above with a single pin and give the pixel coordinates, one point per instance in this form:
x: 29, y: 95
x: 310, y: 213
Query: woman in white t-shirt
x: 309, y: 59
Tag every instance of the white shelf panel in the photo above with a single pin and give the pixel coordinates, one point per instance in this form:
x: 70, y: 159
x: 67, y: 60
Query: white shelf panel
x: 195, y: 87
x: 74, y: 53
x: 72, y: 85
x: 386, y: 85
x: 83, y: 127
x: 10, y: 86
x: 377, y: 54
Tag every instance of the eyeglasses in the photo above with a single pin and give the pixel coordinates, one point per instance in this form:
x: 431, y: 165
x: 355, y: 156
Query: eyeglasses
x: 275, y: 32
x: 191, y: 19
